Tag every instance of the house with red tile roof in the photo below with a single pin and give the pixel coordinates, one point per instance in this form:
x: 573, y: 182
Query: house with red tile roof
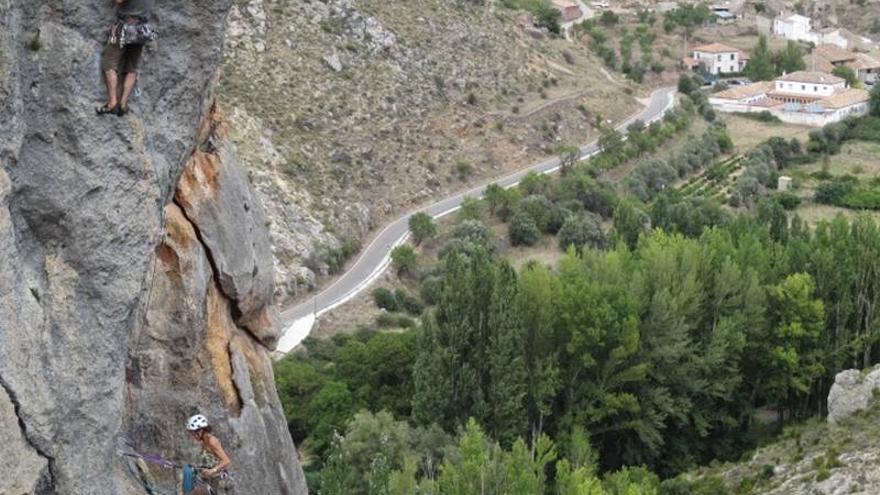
x: 802, y: 97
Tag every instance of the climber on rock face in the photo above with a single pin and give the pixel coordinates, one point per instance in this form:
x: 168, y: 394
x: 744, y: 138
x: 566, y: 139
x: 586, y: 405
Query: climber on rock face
x: 122, y: 53
x: 216, y: 477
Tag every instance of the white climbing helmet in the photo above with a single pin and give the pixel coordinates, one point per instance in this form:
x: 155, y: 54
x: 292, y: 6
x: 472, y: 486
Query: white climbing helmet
x: 196, y: 423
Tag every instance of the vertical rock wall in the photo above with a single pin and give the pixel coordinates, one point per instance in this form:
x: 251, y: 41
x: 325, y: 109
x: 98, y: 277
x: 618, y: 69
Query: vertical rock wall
x: 135, y: 272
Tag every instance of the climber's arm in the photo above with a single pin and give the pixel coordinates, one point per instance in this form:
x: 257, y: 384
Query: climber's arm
x: 217, y: 449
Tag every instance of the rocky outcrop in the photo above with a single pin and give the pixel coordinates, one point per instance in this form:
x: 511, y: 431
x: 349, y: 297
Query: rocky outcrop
x: 135, y: 270
x: 852, y: 391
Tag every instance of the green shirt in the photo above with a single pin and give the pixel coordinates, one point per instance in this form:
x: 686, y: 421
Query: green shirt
x: 136, y: 8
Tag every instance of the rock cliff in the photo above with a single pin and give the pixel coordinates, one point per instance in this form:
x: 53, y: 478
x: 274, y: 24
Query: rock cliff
x: 135, y: 270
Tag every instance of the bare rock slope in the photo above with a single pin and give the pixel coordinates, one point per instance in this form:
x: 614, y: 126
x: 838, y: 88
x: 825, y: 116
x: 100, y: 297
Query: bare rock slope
x: 834, y: 457
x: 135, y: 286
x: 348, y: 112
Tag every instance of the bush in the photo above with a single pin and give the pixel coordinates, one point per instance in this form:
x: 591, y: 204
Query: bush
x: 540, y: 209
x: 581, y: 230
x: 788, y: 200
x: 609, y: 18
x: 394, y: 320
x: 522, y: 229
x: 464, y: 169
x: 385, y: 299
x: 408, y: 303
x: 764, y: 116
x: 430, y: 288
x: 404, y: 259
x: 535, y: 183
x: 862, y: 199
x: 472, y: 231
x: 833, y: 191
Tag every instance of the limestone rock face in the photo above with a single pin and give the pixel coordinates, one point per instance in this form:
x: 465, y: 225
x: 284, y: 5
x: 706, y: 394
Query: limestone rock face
x: 852, y: 391
x: 135, y: 270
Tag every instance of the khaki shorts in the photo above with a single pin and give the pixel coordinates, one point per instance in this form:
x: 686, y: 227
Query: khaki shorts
x: 121, y: 60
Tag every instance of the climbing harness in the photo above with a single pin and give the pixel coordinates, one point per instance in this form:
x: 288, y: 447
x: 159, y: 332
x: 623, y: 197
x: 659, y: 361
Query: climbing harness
x: 131, y: 31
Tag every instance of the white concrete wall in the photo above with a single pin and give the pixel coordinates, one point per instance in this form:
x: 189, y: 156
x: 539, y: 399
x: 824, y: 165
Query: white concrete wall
x: 833, y: 38
x: 808, y: 89
x: 797, y: 118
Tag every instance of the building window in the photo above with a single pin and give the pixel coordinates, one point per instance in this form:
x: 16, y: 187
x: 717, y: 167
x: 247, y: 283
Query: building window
x: 815, y: 88
x: 732, y: 56
x: 719, y: 58
x: 803, y: 87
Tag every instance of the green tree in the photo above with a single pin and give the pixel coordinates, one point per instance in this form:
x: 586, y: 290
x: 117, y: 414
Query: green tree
x: 404, y: 259
x: 540, y: 209
x: 599, y: 368
x: 470, y: 347
x: 581, y: 230
x: 630, y: 222
x: 481, y: 466
x: 608, y: 18
x: 535, y: 183
x: 495, y: 197
x: 611, y: 142
x: 371, y: 441
x: 791, y: 58
x: 330, y: 409
x: 523, y: 230
x: 875, y: 100
x: 422, y: 227
x: 471, y: 209
x: 848, y: 74
x: 760, y: 66
x: 473, y: 231
x: 538, y: 288
x: 568, y: 157
x: 793, y: 355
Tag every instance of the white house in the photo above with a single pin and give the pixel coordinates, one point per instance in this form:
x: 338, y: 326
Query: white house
x: 717, y: 58
x: 810, y: 84
x: 793, y: 27
x: 803, y: 97
x: 799, y: 28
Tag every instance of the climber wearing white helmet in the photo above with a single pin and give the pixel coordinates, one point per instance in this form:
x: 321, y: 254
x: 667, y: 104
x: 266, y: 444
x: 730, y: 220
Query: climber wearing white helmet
x: 217, y: 476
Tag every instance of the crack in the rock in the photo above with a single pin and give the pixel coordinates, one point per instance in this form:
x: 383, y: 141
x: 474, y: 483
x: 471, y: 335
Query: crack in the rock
x: 50, y: 460
x: 233, y: 303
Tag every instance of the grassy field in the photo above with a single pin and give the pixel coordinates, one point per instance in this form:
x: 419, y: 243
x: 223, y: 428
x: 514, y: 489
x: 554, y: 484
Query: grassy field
x: 858, y: 158
x: 748, y: 133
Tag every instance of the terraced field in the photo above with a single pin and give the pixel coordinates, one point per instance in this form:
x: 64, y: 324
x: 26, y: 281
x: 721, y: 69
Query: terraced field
x: 714, y: 181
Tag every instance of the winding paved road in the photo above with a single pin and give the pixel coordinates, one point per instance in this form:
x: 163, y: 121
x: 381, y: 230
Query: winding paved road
x: 375, y: 258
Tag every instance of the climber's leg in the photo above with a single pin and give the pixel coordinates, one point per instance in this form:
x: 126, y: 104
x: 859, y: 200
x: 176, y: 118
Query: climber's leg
x: 110, y: 59
x: 127, y: 87
x: 130, y: 61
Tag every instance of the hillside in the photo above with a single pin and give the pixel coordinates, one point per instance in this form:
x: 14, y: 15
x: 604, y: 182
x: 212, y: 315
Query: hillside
x: 818, y: 457
x: 348, y: 111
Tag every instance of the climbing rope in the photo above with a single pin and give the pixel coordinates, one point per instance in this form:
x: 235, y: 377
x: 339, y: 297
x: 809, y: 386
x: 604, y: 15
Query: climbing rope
x: 137, y: 461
